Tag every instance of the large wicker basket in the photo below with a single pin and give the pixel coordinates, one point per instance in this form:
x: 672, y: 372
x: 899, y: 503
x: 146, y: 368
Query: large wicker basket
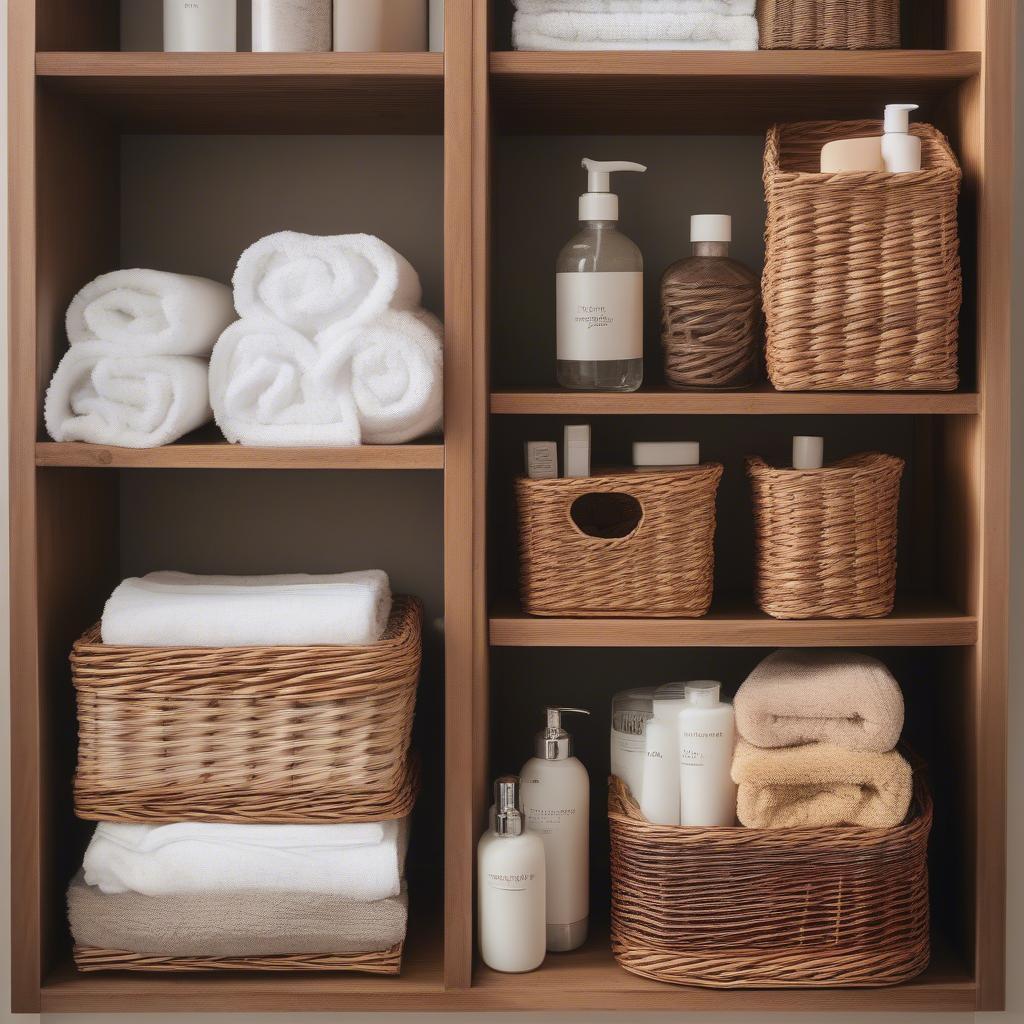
x: 826, y: 538
x: 257, y: 734
x: 769, y: 908
x: 829, y: 24
x: 619, y: 543
x: 862, y: 285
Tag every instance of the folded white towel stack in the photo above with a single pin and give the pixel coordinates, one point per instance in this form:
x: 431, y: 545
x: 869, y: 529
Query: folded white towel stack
x: 174, y: 609
x: 135, y: 375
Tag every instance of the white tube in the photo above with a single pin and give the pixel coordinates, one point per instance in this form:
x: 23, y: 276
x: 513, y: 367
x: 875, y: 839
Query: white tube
x: 659, y: 793
x: 200, y: 26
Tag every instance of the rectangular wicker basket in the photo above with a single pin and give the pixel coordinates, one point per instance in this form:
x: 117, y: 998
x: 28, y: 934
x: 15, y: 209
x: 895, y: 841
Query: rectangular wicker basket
x: 829, y: 24
x: 769, y: 908
x: 825, y: 539
x: 619, y: 543
x: 862, y: 285
x: 248, y: 734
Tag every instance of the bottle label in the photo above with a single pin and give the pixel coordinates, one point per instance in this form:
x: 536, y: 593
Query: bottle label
x: 600, y: 316
x: 511, y: 881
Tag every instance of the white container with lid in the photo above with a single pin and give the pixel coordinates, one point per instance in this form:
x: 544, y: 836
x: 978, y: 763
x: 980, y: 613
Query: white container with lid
x: 200, y: 26
x: 808, y: 452
x: 631, y: 710
x: 665, y: 454
x: 706, y: 741
x: 901, y: 151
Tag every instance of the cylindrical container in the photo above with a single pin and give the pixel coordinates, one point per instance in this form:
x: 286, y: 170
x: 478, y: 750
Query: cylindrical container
x: 659, y: 796
x: 631, y: 710
x: 707, y: 738
x: 380, y: 26
x: 291, y: 26
x: 200, y: 26
x: 808, y: 452
x: 436, y: 26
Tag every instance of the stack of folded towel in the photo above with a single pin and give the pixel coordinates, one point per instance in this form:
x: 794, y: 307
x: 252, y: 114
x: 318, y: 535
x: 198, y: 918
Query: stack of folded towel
x: 635, y: 25
x: 135, y: 374
x: 818, y: 731
x: 331, y: 349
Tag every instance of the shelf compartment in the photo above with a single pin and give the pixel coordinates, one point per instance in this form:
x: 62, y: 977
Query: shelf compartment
x: 697, y: 92
x: 236, y: 93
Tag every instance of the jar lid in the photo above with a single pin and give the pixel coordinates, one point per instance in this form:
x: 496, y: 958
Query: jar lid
x: 711, y: 227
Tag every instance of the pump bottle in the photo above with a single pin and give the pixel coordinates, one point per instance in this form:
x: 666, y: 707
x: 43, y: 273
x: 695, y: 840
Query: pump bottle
x: 901, y: 151
x: 556, y: 801
x: 599, y: 293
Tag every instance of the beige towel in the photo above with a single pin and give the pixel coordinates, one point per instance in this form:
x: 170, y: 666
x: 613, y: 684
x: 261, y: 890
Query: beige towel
x: 233, y: 924
x: 819, y: 785
x: 839, y: 697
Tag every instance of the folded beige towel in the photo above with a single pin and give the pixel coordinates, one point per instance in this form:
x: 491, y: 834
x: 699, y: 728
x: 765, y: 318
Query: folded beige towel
x: 819, y: 785
x: 839, y: 697
x: 233, y: 924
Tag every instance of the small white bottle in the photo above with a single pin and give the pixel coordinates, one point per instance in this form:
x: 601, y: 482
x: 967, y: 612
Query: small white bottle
x: 510, y: 887
x: 599, y: 286
x: 901, y: 151
x: 659, y: 792
x: 200, y: 26
x: 556, y: 802
x: 707, y: 740
x: 808, y: 452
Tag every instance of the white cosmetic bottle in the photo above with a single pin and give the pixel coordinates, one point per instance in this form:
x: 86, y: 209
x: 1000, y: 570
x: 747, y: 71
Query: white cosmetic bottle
x: 510, y: 887
x: 599, y: 285
x: 707, y: 739
x: 631, y: 710
x: 556, y: 802
x: 200, y: 26
x: 901, y: 151
x: 659, y: 791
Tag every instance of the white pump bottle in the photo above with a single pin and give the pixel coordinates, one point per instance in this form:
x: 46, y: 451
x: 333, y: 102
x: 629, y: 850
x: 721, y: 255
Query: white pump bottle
x: 901, y: 151
x: 599, y: 279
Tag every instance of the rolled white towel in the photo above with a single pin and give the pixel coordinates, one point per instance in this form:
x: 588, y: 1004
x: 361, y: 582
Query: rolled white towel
x: 311, y: 282
x: 729, y: 8
x: 564, y: 30
x: 168, y: 860
x: 175, y: 609
x: 393, y: 368
x: 151, y: 312
x: 101, y: 396
x: 265, y: 390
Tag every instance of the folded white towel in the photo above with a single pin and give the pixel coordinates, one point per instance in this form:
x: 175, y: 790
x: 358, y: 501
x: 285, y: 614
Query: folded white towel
x: 312, y: 282
x: 730, y: 8
x: 101, y: 396
x: 393, y: 368
x: 175, y: 609
x: 564, y: 30
x: 150, y: 312
x: 352, y: 861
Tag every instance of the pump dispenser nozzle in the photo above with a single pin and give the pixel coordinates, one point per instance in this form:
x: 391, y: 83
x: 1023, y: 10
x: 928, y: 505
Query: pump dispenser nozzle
x: 599, y: 203
x: 553, y: 742
x: 897, y: 117
x: 508, y: 817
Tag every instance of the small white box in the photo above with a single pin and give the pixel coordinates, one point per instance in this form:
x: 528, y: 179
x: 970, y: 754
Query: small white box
x: 665, y: 454
x: 577, y: 450
x: 541, y: 459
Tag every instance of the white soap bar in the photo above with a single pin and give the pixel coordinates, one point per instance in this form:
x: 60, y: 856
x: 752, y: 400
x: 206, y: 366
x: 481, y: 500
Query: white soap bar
x: 666, y: 454
x: 851, y: 156
x: 577, y: 450
x: 808, y: 452
x: 541, y: 460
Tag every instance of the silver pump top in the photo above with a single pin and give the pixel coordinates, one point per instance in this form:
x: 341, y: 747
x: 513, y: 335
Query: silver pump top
x: 553, y: 742
x: 508, y: 815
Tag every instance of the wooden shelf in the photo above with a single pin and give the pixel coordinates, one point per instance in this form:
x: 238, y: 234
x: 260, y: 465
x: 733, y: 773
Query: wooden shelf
x: 758, y: 402
x: 695, y: 92
x: 283, y: 93
x: 914, y: 624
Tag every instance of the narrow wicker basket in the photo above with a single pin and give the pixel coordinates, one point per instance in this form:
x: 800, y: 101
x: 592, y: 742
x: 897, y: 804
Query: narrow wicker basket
x: 826, y: 538
x: 88, y: 959
x: 829, y: 24
x: 619, y: 543
x: 772, y: 908
x: 862, y: 285
x: 257, y: 734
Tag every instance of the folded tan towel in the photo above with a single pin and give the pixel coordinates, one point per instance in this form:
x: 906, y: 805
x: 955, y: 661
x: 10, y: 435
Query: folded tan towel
x: 233, y: 924
x: 839, y: 697
x: 819, y: 785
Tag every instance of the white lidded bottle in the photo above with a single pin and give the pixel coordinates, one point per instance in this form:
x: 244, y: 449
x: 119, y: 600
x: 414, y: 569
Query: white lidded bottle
x: 659, y: 791
x: 631, y: 710
x: 707, y: 739
x: 556, y: 802
x: 901, y: 151
x: 599, y: 284
x: 510, y: 886
x: 200, y: 26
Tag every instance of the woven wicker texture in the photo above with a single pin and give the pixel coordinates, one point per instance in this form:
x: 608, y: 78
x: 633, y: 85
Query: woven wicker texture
x: 88, y: 959
x: 829, y: 24
x: 264, y: 734
x: 825, y: 539
x: 772, y: 908
x: 862, y: 285
x: 654, y: 555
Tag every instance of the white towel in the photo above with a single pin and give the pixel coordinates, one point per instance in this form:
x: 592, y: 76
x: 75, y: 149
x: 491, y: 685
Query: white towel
x: 729, y: 8
x: 175, y: 609
x: 312, y: 282
x: 101, y: 396
x: 150, y: 312
x: 363, y: 863
x: 266, y: 390
x: 393, y: 368
x: 565, y: 30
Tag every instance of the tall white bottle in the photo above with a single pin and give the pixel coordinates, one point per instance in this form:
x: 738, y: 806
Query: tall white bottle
x: 510, y: 887
x: 659, y: 792
x: 556, y: 801
x: 200, y: 26
x: 707, y: 739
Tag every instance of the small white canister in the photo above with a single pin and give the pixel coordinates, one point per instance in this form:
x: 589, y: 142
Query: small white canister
x: 200, y: 26
x: 291, y: 26
x: 380, y: 26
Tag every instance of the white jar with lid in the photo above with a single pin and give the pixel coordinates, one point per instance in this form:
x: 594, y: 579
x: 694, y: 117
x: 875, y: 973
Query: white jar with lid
x: 200, y: 26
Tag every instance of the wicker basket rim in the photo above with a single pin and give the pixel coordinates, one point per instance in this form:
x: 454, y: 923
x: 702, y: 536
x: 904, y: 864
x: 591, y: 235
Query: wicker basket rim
x: 626, y: 475
x: 851, y: 465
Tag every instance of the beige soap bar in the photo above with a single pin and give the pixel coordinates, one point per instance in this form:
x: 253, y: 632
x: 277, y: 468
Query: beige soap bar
x: 845, y: 156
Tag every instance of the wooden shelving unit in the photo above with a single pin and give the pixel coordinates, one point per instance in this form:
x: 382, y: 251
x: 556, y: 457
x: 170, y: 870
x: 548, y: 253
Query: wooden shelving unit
x: 78, y: 105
